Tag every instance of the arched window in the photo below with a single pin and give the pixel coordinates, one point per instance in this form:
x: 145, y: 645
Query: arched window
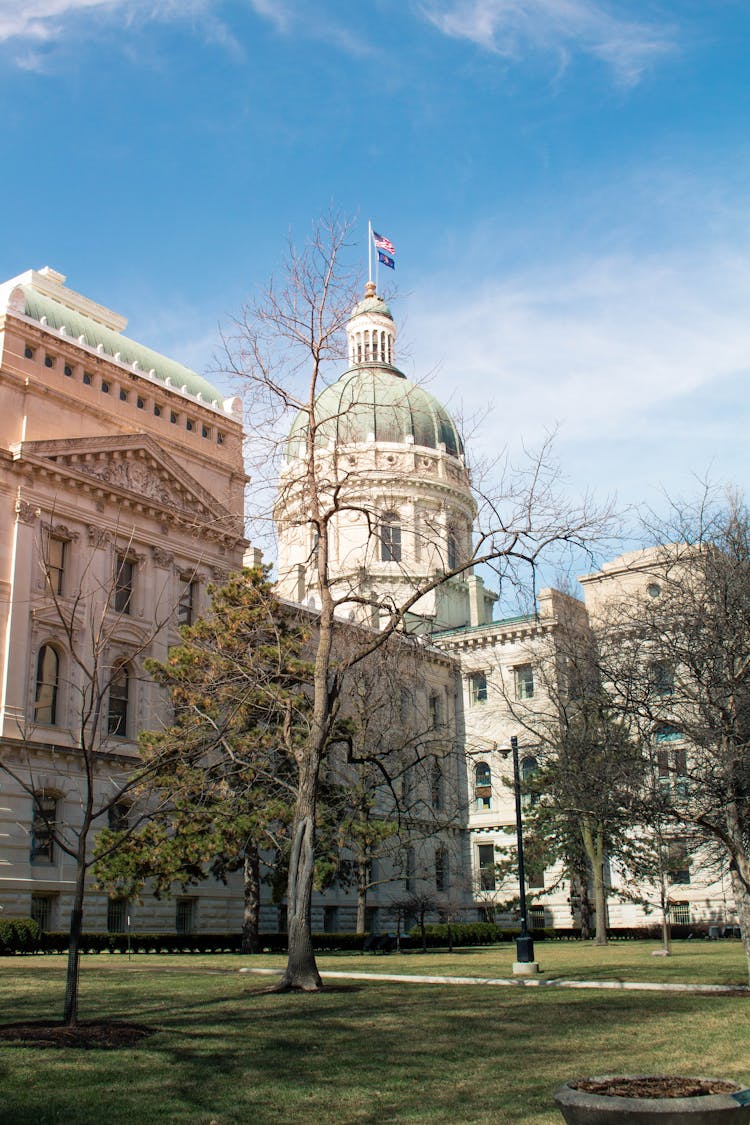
x: 117, y: 713
x: 483, y: 786
x: 47, y: 682
x: 390, y: 538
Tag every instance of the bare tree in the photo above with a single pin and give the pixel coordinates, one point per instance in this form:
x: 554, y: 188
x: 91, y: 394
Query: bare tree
x: 104, y: 653
x: 283, y: 347
x: 585, y: 794
x: 674, y: 635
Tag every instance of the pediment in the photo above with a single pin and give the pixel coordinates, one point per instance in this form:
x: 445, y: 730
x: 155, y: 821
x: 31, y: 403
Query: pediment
x: 133, y: 466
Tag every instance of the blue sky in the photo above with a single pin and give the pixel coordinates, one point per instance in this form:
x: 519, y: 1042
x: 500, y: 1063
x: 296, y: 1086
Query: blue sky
x: 567, y: 183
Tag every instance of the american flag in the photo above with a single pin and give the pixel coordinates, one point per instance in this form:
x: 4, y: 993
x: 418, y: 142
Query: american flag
x: 383, y: 243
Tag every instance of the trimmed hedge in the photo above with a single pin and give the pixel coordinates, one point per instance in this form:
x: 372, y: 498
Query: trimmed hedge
x: 19, y: 935
x: 22, y: 935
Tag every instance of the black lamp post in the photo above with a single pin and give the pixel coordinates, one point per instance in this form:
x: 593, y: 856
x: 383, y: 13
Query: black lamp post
x: 524, y: 944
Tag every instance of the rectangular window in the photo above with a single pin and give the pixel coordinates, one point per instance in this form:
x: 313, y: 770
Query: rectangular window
x: 436, y: 716
x: 678, y: 862
x: 679, y: 913
x: 486, y: 865
x: 56, y: 549
x: 536, y: 917
x: 524, y: 681
x: 185, y: 915
x: 390, y: 541
x: 117, y: 915
x: 282, y: 919
x: 409, y: 871
x: 661, y: 678
x: 124, y: 575
x: 371, y: 919
x: 441, y: 870
x: 186, y: 601
x: 534, y: 874
x: 330, y: 919
x: 117, y: 704
x: 44, y: 819
x: 43, y: 911
x: 478, y: 685
x: 437, y: 795
x: 117, y: 817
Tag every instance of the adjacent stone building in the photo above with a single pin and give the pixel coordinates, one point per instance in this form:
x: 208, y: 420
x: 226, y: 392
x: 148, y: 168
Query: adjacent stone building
x: 121, y: 497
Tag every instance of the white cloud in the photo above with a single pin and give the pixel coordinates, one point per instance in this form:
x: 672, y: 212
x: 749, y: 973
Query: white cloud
x: 43, y: 21
x: 510, y: 28
x: 635, y: 359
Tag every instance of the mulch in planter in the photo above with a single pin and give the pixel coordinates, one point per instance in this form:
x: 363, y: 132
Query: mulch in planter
x: 660, y: 1086
x: 102, y: 1036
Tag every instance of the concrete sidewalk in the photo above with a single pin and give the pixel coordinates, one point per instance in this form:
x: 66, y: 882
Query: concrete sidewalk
x: 523, y: 982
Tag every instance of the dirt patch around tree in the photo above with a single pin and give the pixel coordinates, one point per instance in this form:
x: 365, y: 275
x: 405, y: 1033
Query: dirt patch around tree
x: 659, y: 1086
x: 101, y: 1036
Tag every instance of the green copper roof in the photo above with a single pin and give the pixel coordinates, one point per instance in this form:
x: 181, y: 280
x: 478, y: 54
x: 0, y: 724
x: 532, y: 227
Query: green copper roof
x: 94, y: 334
x: 372, y: 305
x: 381, y: 402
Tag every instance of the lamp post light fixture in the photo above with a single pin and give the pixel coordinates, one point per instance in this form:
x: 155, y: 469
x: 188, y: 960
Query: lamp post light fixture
x: 525, y: 965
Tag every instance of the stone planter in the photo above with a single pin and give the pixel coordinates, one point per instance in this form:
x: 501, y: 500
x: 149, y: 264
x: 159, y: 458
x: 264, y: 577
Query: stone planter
x: 585, y: 1107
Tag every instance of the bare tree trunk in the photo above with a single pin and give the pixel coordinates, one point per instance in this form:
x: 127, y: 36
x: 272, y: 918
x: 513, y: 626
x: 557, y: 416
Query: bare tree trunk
x: 594, y: 844
x: 301, y: 971
x: 251, y: 902
x: 70, y: 1012
x: 742, y: 906
x: 362, y: 886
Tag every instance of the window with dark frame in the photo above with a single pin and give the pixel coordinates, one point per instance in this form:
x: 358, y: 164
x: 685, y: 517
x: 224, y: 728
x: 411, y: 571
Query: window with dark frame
x: 44, y: 820
x: 482, y: 787
x: 678, y: 861
x: 185, y: 912
x: 478, y: 685
x: 42, y: 911
x: 47, y: 684
x: 409, y: 867
x: 117, y: 707
x: 117, y: 915
x: 118, y: 816
x: 661, y: 678
x: 441, y: 869
x: 124, y: 576
x: 186, y: 601
x: 524, y: 675
x: 437, y: 794
x: 486, y: 865
x: 55, y: 563
x: 390, y: 538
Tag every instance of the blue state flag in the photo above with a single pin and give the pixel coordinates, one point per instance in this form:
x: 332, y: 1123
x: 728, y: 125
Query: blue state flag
x: 386, y: 259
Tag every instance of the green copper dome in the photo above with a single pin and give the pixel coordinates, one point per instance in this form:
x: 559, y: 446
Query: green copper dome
x: 378, y: 402
x: 372, y: 304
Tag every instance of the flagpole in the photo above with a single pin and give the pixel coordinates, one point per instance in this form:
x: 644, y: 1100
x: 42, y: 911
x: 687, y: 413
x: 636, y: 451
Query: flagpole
x: 369, y: 250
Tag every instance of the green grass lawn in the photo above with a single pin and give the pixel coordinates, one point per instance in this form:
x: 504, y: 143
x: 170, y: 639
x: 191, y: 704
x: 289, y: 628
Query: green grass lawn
x: 224, y: 1051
